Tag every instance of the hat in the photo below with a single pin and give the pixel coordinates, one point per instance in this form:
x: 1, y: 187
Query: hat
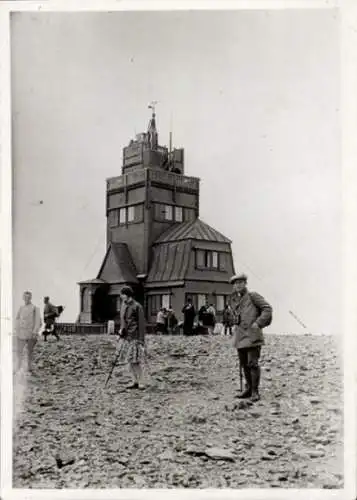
x: 238, y: 277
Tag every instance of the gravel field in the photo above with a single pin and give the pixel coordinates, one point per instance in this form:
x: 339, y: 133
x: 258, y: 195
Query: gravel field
x: 187, y: 429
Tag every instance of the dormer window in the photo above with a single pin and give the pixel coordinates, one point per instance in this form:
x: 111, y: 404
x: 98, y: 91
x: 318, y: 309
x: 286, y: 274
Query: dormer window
x: 168, y: 212
x: 178, y: 214
x: 208, y: 259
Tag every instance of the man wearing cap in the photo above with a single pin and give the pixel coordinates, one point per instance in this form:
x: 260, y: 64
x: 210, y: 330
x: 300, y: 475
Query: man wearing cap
x: 27, y: 327
x: 251, y: 313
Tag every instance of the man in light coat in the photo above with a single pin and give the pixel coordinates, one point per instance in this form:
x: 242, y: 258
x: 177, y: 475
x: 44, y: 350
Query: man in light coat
x: 251, y: 313
x: 27, y: 327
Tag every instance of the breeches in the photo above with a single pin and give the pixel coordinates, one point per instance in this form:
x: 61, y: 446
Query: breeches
x: 249, y: 357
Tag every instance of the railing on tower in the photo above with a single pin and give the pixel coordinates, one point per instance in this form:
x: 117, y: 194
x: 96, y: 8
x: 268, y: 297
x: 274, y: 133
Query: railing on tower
x: 156, y: 175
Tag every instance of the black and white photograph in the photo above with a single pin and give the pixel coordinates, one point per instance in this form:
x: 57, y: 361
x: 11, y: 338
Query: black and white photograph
x: 177, y: 249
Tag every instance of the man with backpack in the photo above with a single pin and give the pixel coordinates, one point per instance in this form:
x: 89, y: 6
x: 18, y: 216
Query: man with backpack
x: 251, y: 313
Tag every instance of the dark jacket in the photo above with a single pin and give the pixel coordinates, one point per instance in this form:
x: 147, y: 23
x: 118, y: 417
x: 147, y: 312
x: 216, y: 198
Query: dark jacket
x: 247, y: 309
x: 189, y: 313
x: 228, y: 316
x: 50, y: 314
x: 132, y: 321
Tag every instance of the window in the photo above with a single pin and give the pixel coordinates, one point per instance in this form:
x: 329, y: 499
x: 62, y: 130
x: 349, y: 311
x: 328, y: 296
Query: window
x: 131, y: 214
x: 155, y: 302
x: 122, y: 216
x: 165, y: 301
x: 200, y: 258
x: 220, y: 302
x: 198, y: 300
x: 207, y: 259
x: 214, y: 263
x: 139, y: 213
x: 168, y: 212
x: 113, y: 218
x: 178, y: 214
x: 189, y: 214
x: 201, y: 300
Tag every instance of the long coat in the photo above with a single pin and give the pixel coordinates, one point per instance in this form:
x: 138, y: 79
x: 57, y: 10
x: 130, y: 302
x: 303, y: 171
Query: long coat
x: 247, y: 309
x: 132, y: 321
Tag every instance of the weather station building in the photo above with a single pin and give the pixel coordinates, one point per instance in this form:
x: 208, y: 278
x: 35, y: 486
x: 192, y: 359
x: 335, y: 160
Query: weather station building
x: 156, y: 242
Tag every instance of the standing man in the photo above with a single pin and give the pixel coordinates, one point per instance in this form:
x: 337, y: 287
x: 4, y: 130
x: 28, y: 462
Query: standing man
x: 27, y: 327
x: 189, y: 315
x: 251, y: 313
x: 50, y: 314
x: 227, y: 320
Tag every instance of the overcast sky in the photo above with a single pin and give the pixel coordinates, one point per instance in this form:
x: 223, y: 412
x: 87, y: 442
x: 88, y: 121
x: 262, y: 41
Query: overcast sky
x: 254, y: 100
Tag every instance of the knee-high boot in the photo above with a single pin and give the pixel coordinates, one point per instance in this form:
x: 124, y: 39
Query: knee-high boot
x: 248, y: 383
x: 255, y: 377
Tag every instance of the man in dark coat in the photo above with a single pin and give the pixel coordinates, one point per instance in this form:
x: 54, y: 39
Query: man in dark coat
x: 251, y: 313
x: 189, y: 314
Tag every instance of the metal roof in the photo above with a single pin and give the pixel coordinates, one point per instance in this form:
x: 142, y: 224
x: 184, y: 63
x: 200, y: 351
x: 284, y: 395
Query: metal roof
x: 169, y: 262
x: 192, y: 230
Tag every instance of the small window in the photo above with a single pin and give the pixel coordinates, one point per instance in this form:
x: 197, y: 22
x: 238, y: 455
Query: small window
x: 220, y: 302
x: 201, y: 300
x: 178, y: 214
x: 122, y: 216
x: 215, y: 260
x: 189, y: 214
x: 139, y: 213
x: 168, y: 212
x: 113, y: 218
x: 165, y: 301
x: 200, y: 258
x: 131, y: 214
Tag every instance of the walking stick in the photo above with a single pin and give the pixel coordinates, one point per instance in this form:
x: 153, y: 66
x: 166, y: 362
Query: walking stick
x: 112, y: 369
x: 240, y: 375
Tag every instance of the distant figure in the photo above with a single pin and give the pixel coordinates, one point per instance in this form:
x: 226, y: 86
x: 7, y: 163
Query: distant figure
x: 27, y: 327
x: 251, y: 313
x: 161, y: 321
x: 211, y: 318
x: 202, y: 315
x: 189, y: 314
x: 132, y: 336
x: 227, y: 320
x: 171, y: 322
x: 50, y: 314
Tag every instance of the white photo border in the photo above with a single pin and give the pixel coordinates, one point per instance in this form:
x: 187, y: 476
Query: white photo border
x: 348, y: 11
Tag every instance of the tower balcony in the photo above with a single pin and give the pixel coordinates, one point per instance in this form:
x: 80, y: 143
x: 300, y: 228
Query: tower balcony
x: 155, y: 176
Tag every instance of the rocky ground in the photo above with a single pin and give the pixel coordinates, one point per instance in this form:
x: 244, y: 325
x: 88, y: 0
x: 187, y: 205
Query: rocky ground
x: 186, y: 430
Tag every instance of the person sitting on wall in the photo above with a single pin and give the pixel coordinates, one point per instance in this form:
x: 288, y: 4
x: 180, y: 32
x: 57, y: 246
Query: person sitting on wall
x: 189, y: 314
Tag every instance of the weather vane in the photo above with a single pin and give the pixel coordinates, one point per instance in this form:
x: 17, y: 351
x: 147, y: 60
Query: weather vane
x: 152, y: 106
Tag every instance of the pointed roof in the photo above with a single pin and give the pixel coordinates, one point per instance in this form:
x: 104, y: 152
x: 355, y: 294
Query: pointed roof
x: 192, y: 230
x: 118, y: 265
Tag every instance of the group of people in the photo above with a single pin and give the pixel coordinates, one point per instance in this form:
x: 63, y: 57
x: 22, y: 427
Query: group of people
x: 206, y: 319
x: 249, y: 313
x: 166, y: 321
x: 28, y: 325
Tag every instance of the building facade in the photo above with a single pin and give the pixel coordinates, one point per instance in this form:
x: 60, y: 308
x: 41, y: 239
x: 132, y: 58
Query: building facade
x: 156, y: 242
